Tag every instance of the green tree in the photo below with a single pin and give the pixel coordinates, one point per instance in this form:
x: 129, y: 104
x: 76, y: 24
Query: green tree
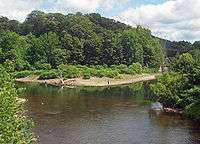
x: 92, y: 51
x: 131, y: 48
x: 13, y: 47
x: 181, y: 87
x: 108, y: 48
x: 50, y: 42
x: 184, y: 63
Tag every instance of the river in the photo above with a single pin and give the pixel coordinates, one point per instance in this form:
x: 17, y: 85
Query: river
x: 109, y: 115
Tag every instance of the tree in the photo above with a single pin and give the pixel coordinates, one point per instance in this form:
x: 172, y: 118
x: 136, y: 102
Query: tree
x: 50, y: 42
x: 36, y: 51
x: 4, y: 23
x: 13, y: 48
x: 35, y: 23
x: 77, y: 56
x: 92, y: 50
x: 53, y: 38
x: 132, y: 50
x: 181, y: 87
x: 59, y: 56
x: 185, y: 63
x: 108, y: 48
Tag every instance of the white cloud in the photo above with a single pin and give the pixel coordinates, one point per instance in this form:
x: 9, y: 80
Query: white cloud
x: 174, y: 19
x: 85, y: 6
x: 75, y: 5
x: 109, y: 5
x: 18, y: 9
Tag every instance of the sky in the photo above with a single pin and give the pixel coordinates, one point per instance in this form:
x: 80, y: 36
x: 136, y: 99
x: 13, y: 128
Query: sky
x: 174, y: 20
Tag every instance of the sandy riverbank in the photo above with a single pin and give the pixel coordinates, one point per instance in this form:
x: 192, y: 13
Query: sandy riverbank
x: 94, y: 81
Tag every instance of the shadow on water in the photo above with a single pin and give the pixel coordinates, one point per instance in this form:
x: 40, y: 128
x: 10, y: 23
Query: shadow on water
x: 103, y: 115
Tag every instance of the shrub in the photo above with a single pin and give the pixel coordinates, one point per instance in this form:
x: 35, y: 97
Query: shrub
x: 148, y: 70
x: 48, y: 75
x: 121, y: 66
x: 38, y: 72
x: 86, y: 76
x: 92, y: 71
x: 99, y: 67
x: 14, y: 127
x: 69, y: 71
x: 169, y: 88
x: 42, y: 66
x: 100, y: 74
x: 9, y: 66
x: 193, y: 111
x: 23, y: 74
x: 135, y: 68
x: 21, y: 65
x: 111, y: 74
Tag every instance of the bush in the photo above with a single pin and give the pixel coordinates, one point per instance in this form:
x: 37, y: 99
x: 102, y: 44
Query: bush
x: 148, y: 70
x: 111, y: 74
x: 99, y: 67
x: 21, y: 65
x: 9, y: 65
x: 86, y: 76
x: 14, y: 127
x: 125, y: 71
x: 121, y: 67
x: 69, y: 71
x: 92, y: 71
x: 23, y: 74
x: 169, y: 88
x: 100, y: 74
x: 193, y: 111
x: 135, y: 68
x: 48, y: 75
x: 72, y: 71
x: 38, y: 72
x: 42, y: 66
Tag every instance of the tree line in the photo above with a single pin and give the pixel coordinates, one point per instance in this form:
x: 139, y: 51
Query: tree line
x: 175, y: 48
x: 52, y: 39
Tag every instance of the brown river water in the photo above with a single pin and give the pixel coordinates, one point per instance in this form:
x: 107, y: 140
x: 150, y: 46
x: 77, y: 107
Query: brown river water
x: 109, y: 115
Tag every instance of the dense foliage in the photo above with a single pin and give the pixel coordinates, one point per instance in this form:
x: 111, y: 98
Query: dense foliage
x: 80, y: 71
x: 174, y: 48
x: 44, y: 41
x: 14, y: 127
x: 181, y: 87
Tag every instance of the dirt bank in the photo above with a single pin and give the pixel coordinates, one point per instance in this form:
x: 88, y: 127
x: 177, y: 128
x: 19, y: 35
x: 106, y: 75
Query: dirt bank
x: 94, y: 81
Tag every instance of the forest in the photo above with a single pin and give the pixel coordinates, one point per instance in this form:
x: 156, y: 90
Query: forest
x: 48, y: 40
x: 85, y: 45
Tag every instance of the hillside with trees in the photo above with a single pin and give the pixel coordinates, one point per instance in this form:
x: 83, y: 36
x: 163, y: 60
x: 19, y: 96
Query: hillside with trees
x: 175, y: 48
x: 49, y: 40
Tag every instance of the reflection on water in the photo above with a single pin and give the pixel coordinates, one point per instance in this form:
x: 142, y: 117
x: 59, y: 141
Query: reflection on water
x: 112, y: 115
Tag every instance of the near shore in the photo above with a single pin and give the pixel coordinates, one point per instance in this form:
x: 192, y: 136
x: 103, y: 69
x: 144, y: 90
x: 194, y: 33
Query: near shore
x: 94, y: 81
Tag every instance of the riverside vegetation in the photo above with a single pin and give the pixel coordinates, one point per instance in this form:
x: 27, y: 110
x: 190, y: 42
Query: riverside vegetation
x: 77, y: 45
x: 14, y: 126
x: 73, y: 45
x: 180, y: 88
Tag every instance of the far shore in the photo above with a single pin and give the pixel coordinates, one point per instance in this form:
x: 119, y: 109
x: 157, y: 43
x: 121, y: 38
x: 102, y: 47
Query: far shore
x: 94, y: 81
